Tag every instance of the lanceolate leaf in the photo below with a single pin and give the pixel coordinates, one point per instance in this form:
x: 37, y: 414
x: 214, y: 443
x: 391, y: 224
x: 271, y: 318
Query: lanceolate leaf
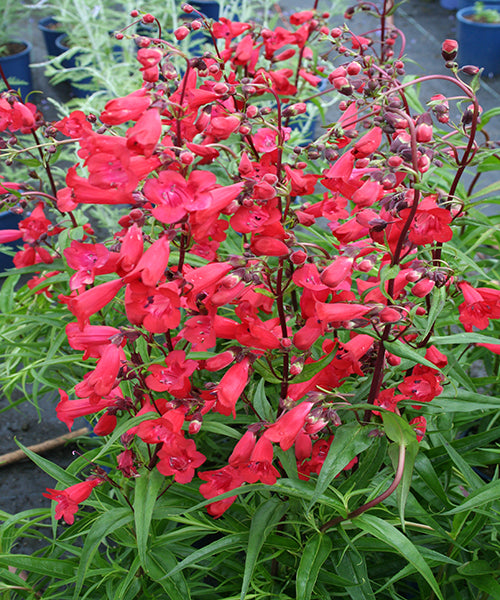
x: 315, y: 553
x: 266, y: 516
x: 349, y: 441
x: 387, y: 533
x: 146, y: 490
x: 103, y: 526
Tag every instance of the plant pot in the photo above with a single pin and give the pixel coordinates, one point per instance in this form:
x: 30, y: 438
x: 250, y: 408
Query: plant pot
x: 70, y: 63
x: 210, y: 8
x: 449, y: 4
x: 466, y: 3
x: 50, y: 33
x: 9, y: 220
x: 478, y: 43
x: 16, y: 67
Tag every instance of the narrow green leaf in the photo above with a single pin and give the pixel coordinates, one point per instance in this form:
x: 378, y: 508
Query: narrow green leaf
x: 403, y: 488
x: 159, y: 561
x: 315, y: 553
x: 398, y: 430
x: 56, y: 472
x: 312, y: 369
x: 489, y: 493
x: 425, y: 470
x: 476, y: 567
x: 147, y: 486
x: 262, y: 368
x: 261, y: 403
x: 474, y: 480
x: 230, y: 541
x: 404, y: 351
x: 387, y: 533
x: 103, y: 526
x: 52, y: 567
x: 265, y: 518
x: 437, y: 305
x: 464, y: 338
x: 352, y: 566
x: 349, y: 441
x: 488, y: 584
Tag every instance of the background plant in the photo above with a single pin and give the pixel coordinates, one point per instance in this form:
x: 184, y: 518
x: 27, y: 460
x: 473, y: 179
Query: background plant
x: 263, y: 311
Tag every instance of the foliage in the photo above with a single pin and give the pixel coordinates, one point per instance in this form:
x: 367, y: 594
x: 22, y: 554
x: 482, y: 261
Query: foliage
x: 293, y: 338
x: 485, y: 15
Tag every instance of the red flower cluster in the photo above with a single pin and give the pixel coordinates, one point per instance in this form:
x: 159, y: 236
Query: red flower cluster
x: 295, y: 265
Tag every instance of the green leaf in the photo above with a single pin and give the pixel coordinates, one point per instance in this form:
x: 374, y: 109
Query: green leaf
x: 159, y: 561
x: 50, y: 468
x: 147, y: 486
x: 349, y: 441
x: 476, y: 567
x: 262, y: 368
x: 397, y: 429
x: 266, y: 516
x: 261, y: 403
x: 103, y: 526
x: 403, y: 488
x: 312, y: 369
x: 229, y: 541
x: 388, y: 534
x: 426, y: 472
x: 315, y: 553
x: 464, y: 338
x: 404, y: 351
x: 437, y: 305
x: 489, y: 493
x: 352, y: 566
x: 50, y: 567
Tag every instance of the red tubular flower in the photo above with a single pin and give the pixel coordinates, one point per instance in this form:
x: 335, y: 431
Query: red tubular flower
x: 231, y: 387
x: 218, y: 482
x: 479, y: 306
x: 287, y: 427
x: 68, y: 410
x: 145, y: 134
x: 367, y: 144
x: 127, y: 108
x: 419, y: 424
x: 340, y: 311
x: 174, y: 377
x: 179, y: 457
x: 69, y: 499
x: 92, y: 301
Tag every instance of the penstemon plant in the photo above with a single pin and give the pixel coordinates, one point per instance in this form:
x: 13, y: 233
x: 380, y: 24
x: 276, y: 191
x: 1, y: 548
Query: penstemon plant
x: 280, y: 330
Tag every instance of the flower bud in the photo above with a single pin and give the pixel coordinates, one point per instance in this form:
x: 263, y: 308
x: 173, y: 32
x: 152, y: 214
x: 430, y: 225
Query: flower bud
x: 298, y: 257
x: 148, y: 18
x: 449, y: 49
x: 181, y: 32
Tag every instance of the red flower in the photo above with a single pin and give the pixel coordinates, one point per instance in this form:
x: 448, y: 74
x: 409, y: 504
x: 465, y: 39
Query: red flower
x: 287, y: 427
x: 479, y: 306
x: 69, y: 499
x: 231, y: 387
x: 218, y: 482
x: 174, y: 377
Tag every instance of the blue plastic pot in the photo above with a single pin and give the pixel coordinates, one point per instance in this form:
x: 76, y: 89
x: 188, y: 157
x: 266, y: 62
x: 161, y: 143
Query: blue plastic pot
x: 17, y: 69
x: 479, y: 43
x: 9, y: 220
x: 50, y: 35
x: 209, y: 8
x: 69, y: 63
x: 466, y: 3
x: 449, y: 4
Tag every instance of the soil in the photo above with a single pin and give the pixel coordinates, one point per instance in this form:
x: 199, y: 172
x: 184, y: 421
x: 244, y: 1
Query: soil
x: 11, y: 48
x: 475, y: 19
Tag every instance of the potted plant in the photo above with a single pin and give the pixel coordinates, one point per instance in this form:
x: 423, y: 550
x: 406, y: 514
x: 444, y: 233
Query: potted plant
x: 51, y: 29
x: 14, y: 52
x: 479, y: 37
x: 271, y: 362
